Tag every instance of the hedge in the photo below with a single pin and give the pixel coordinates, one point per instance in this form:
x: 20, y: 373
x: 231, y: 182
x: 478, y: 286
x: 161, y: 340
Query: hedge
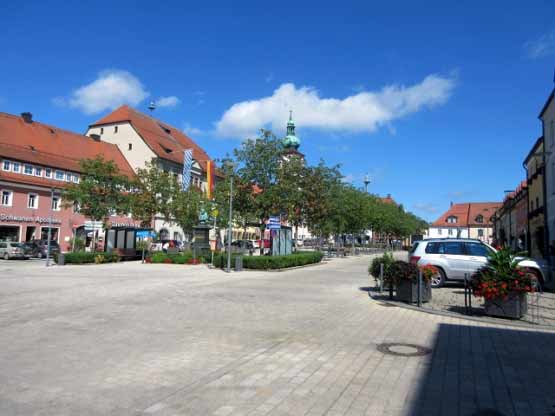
x: 85, y: 257
x: 180, y: 258
x: 271, y: 262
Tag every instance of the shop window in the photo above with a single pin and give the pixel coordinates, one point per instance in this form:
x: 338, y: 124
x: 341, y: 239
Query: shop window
x: 7, y: 198
x: 56, y: 203
x: 16, y: 167
x: 28, y: 170
x: 6, y: 165
x: 33, y: 201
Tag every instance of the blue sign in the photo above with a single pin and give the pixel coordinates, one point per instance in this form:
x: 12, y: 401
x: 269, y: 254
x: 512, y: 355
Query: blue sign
x: 145, y: 234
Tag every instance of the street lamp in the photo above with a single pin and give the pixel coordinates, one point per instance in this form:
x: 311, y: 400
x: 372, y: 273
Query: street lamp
x: 229, y: 164
x: 52, y: 191
x: 366, y: 182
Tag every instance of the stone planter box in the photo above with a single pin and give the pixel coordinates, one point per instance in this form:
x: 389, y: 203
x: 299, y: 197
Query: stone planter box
x: 407, y: 291
x: 515, y: 307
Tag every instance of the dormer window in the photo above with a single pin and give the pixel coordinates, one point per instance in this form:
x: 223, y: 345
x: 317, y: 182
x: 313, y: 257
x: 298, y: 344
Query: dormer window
x: 452, y: 219
x: 479, y: 219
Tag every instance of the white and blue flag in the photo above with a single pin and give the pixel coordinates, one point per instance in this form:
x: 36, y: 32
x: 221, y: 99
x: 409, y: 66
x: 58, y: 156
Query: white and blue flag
x: 187, y: 165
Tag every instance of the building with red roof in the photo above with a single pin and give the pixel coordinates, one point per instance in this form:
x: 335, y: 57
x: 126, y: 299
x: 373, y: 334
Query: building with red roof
x: 141, y: 139
x: 37, y: 161
x: 466, y: 220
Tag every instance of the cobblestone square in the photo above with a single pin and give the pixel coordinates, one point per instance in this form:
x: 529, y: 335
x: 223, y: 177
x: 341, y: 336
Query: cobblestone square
x: 132, y: 339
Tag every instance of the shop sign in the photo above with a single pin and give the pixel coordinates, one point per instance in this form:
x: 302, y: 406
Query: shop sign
x: 18, y: 218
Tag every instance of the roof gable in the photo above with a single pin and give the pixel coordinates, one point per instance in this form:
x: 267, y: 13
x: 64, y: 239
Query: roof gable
x: 166, y: 141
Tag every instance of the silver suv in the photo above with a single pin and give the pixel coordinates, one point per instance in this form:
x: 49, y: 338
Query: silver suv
x: 454, y: 258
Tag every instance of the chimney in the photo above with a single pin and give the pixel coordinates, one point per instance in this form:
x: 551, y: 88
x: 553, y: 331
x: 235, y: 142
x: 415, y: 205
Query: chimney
x: 95, y: 137
x: 27, y: 117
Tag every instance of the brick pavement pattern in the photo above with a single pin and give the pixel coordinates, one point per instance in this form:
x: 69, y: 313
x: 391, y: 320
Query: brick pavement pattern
x: 161, y: 340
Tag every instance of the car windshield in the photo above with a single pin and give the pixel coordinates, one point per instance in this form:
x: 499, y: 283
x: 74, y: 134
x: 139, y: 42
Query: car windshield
x: 16, y: 245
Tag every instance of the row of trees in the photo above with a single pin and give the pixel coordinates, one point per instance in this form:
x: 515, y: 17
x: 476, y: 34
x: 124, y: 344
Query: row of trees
x: 266, y: 182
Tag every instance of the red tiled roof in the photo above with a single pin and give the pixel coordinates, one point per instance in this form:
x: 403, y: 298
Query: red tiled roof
x: 166, y: 141
x: 388, y: 200
x: 45, y: 145
x: 467, y: 213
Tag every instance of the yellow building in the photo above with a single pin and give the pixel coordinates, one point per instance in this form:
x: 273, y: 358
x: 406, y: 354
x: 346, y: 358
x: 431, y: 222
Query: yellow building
x: 535, y: 179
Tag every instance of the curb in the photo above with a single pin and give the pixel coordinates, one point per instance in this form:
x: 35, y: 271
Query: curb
x: 487, y: 320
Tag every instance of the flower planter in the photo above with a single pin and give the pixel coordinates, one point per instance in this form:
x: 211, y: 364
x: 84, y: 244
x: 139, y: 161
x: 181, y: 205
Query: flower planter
x: 514, y: 307
x: 407, y: 291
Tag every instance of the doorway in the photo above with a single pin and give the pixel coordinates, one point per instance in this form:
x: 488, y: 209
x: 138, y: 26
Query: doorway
x: 30, y: 233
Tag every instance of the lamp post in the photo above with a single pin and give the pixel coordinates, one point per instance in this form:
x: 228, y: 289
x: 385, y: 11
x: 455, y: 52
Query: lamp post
x: 52, y: 190
x: 229, y: 232
x: 366, y: 182
x: 510, y: 207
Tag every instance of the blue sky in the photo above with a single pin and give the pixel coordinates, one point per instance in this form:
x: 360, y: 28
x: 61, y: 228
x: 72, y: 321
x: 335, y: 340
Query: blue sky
x: 437, y: 103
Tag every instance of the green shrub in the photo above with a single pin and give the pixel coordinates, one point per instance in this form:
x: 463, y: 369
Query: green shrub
x: 401, y: 270
x: 83, y: 257
x: 181, y: 258
x: 374, y: 268
x: 269, y: 262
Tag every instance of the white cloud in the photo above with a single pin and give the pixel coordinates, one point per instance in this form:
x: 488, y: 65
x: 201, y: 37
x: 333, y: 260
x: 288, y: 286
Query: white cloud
x: 543, y: 46
x: 362, y: 112
x: 170, y: 101
x: 109, y: 90
x: 189, y: 130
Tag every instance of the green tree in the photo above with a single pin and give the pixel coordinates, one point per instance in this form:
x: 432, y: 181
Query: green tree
x: 101, y: 191
x: 186, y: 207
x: 153, y: 192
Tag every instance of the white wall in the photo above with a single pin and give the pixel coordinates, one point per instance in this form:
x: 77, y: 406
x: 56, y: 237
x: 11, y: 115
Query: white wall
x: 139, y: 154
x: 443, y: 232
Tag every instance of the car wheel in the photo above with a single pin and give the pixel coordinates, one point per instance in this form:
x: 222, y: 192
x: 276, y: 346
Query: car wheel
x: 537, y: 280
x: 6, y: 256
x: 438, y: 280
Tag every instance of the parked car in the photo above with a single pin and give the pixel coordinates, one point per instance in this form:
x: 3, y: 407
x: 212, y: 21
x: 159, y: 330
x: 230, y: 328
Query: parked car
x: 38, y: 248
x: 11, y: 250
x: 454, y: 258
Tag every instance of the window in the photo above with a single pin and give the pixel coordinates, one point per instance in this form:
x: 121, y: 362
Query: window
x: 7, y: 197
x: 38, y: 171
x: 439, y: 230
x: 450, y: 231
x: 452, y: 219
x: 28, y: 170
x: 480, y: 232
x: 59, y: 175
x: 56, y: 203
x: 47, y: 173
x: 130, y: 146
x: 6, y: 165
x: 477, y: 249
x: 68, y: 177
x: 537, y: 202
x: 75, y: 178
x: 101, y: 130
x: 76, y: 207
x: 115, y: 129
x: 431, y: 248
x: 16, y: 167
x: 454, y: 248
x: 33, y: 201
x: 480, y: 219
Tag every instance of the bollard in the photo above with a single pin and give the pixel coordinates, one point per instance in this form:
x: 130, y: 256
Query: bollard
x: 419, y: 289
x: 238, y: 263
x: 61, y: 259
x: 381, y: 277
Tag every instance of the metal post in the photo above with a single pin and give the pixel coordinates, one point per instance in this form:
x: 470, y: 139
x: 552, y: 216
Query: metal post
x: 381, y: 277
x: 49, y: 229
x: 143, y: 256
x: 419, y: 289
x: 229, y: 225
x: 215, y: 243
